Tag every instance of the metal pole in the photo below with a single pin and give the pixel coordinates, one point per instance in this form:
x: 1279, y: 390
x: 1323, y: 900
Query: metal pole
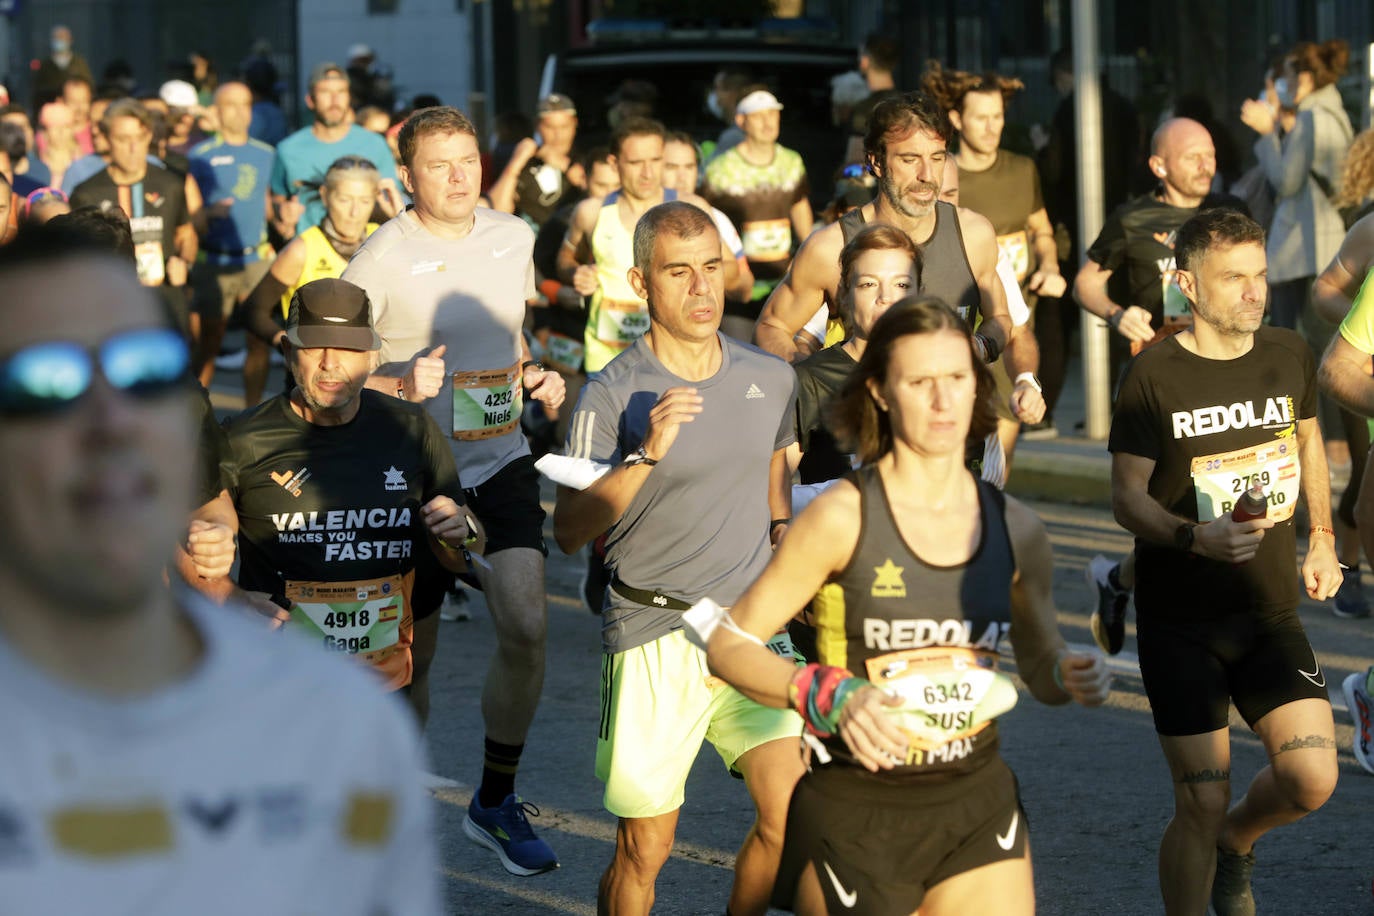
x: 1088, y: 124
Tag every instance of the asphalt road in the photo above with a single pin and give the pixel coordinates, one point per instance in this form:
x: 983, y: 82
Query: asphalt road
x: 1094, y: 782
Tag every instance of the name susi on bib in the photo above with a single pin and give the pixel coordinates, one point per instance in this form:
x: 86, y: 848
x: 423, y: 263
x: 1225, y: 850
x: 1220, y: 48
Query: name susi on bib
x: 486, y: 403
x: 1219, y: 480
x: 360, y: 617
x: 1015, y: 247
x: 949, y: 695
x: 621, y: 322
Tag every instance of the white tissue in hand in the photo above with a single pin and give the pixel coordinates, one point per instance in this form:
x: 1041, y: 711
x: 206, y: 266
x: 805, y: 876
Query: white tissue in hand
x: 701, y: 620
x: 578, y: 473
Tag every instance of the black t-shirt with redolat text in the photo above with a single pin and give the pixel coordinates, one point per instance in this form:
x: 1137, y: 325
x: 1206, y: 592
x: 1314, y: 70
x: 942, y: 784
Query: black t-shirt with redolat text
x: 1214, y: 428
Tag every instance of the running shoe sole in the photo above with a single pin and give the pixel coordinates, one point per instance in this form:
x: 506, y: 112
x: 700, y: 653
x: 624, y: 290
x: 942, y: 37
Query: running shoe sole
x: 1360, y: 713
x: 482, y: 838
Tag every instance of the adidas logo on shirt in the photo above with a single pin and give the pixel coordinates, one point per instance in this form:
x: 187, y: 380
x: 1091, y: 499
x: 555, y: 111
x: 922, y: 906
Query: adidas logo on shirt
x: 753, y: 392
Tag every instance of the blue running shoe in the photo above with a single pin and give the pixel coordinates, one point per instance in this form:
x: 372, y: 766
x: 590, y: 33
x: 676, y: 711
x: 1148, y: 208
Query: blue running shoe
x: 506, y: 831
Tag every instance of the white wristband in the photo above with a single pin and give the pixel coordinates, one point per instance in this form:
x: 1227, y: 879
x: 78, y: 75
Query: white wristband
x: 1030, y: 379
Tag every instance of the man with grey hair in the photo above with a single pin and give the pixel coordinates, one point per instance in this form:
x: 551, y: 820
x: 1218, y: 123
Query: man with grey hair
x: 668, y: 414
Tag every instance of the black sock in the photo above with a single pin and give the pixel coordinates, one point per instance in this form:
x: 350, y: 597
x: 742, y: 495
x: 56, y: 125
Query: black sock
x: 499, y: 764
x: 1114, y: 580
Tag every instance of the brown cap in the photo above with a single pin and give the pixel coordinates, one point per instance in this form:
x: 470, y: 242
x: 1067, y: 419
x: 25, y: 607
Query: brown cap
x: 331, y: 314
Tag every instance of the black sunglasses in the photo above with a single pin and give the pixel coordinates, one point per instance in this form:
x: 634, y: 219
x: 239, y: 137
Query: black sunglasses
x: 46, y: 378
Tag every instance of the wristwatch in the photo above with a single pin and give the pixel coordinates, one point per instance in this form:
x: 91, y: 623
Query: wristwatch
x: 1183, y: 536
x: 639, y: 456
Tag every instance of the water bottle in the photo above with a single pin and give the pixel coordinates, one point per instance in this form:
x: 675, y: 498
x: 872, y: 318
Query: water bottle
x: 1252, y: 504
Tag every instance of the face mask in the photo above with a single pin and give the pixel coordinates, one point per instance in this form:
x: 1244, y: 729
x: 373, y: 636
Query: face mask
x: 713, y: 105
x: 1284, y: 92
x: 61, y: 46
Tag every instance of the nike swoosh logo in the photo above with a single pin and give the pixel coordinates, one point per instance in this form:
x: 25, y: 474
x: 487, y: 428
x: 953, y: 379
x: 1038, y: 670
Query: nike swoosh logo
x: 1005, y: 840
x: 500, y: 253
x: 847, y: 898
x: 1315, y: 674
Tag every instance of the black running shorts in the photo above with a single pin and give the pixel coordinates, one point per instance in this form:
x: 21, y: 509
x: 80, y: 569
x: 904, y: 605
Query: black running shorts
x: 432, y: 582
x: 878, y: 845
x: 507, y: 504
x: 1193, y: 671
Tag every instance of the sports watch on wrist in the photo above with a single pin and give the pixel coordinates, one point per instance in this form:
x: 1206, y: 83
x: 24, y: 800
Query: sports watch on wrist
x: 639, y: 456
x: 1183, y: 536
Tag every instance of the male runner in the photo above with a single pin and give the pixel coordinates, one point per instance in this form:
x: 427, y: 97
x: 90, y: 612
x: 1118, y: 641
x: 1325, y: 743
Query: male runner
x: 1344, y: 371
x: 1223, y: 407
x: 339, y: 489
x: 162, y: 755
x: 448, y: 283
x: 543, y: 176
x: 677, y: 407
x: 232, y: 171
x: 906, y: 149
x: 304, y: 157
x: 1345, y: 375
x: 1128, y: 281
x: 153, y: 198
x: 597, y: 252
x: 1004, y: 187
x: 762, y: 187
x: 681, y: 173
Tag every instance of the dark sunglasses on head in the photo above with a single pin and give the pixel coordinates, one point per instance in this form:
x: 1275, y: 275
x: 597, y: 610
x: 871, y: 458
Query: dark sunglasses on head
x: 48, y: 377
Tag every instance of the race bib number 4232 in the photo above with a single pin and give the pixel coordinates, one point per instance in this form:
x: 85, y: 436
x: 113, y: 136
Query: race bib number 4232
x: 486, y: 403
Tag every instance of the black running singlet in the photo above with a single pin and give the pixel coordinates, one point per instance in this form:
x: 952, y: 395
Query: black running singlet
x: 946, y: 273
x: 889, y: 611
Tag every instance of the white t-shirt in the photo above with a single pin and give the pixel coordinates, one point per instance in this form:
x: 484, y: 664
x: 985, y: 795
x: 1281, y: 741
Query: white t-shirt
x: 272, y: 779
x: 468, y: 294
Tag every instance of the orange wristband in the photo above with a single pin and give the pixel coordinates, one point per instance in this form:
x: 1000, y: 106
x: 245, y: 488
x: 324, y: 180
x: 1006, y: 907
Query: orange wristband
x: 1322, y: 528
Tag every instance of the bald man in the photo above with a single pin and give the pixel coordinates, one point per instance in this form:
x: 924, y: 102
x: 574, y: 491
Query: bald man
x: 232, y: 171
x: 1128, y: 281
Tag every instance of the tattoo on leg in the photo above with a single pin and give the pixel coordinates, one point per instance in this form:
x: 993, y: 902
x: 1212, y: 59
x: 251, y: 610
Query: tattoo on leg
x: 1295, y: 743
x: 1204, y: 776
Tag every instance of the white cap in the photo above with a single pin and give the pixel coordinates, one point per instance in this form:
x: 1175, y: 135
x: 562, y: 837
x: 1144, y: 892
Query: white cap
x: 758, y: 100
x: 359, y: 50
x: 179, y: 94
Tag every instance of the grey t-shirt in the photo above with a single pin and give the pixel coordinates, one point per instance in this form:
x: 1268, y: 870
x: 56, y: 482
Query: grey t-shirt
x: 699, y: 525
x: 468, y: 294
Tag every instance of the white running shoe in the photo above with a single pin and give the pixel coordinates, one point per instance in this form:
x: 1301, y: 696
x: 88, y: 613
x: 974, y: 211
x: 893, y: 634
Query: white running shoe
x: 1358, y: 689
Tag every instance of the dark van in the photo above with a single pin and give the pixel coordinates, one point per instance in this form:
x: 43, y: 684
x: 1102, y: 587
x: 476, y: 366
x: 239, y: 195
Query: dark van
x: 681, y: 64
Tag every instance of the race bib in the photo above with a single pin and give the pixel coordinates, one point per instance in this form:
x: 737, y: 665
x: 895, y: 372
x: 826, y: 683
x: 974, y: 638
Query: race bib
x: 620, y: 323
x: 359, y: 618
x: 948, y: 693
x: 1015, y: 247
x: 486, y: 403
x: 563, y: 353
x: 1219, y: 480
x: 781, y: 645
x: 152, y: 266
x: 767, y: 239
